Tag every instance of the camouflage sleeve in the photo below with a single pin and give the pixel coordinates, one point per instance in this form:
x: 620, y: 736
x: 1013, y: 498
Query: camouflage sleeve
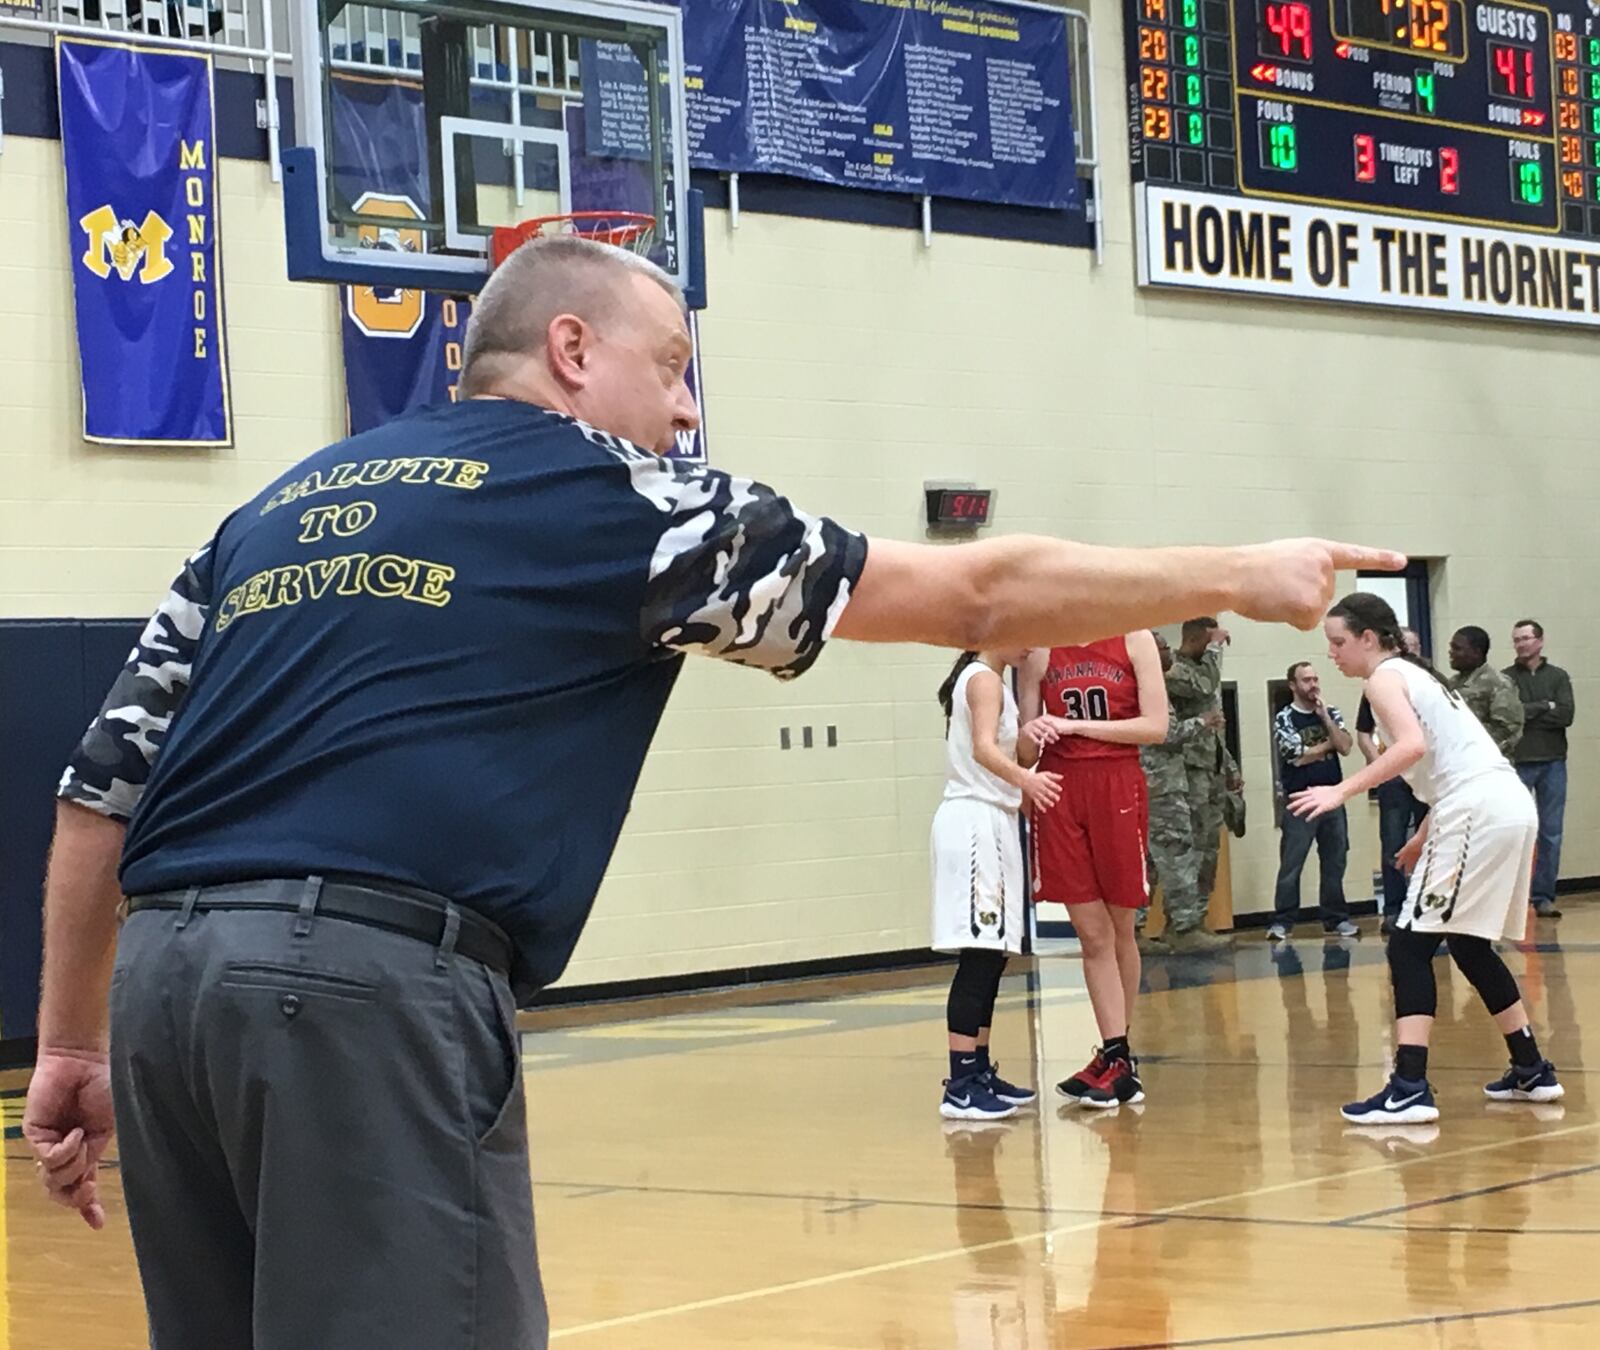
x: 1291, y: 744
x: 1196, y: 680
x: 739, y: 573
x: 1505, y: 715
x: 1182, y: 730
x: 108, y: 770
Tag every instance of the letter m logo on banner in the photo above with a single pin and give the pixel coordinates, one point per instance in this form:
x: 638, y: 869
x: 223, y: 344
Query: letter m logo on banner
x: 118, y: 243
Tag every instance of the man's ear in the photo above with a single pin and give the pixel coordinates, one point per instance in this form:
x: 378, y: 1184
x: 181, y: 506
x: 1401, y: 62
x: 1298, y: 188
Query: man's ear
x: 567, y: 342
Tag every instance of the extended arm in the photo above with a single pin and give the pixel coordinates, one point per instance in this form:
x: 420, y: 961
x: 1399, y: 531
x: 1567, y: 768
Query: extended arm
x: 739, y: 574
x: 1024, y: 590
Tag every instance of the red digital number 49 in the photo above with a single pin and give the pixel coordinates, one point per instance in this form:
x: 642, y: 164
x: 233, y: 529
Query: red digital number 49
x: 1291, y: 24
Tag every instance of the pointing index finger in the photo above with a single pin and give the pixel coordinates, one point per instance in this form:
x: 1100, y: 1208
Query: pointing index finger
x: 1351, y: 557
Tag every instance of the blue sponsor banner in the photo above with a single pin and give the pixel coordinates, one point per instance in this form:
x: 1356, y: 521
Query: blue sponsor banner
x: 926, y: 97
x: 137, y: 134
x: 402, y: 348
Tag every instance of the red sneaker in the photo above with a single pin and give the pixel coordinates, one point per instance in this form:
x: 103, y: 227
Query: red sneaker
x: 1116, y: 1084
x: 1084, y: 1079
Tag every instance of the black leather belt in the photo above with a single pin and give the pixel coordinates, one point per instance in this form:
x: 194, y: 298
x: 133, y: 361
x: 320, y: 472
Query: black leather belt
x: 421, y: 916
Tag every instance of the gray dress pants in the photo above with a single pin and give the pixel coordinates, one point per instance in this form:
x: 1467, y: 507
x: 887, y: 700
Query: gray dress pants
x: 322, y: 1138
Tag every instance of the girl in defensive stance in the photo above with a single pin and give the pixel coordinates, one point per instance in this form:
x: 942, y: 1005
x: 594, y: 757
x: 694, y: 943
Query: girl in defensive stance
x: 979, y: 886
x: 1471, y: 862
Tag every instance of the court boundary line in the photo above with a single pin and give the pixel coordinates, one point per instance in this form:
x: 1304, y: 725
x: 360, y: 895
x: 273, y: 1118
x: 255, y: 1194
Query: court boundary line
x: 1016, y: 1240
x: 594, y: 1190
x: 1436, y: 1319
x: 1459, y: 1196
x: 1131, y: 1218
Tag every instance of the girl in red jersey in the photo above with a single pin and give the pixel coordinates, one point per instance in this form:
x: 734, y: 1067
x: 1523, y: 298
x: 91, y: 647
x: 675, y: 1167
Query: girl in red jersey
x: 1088, y: 710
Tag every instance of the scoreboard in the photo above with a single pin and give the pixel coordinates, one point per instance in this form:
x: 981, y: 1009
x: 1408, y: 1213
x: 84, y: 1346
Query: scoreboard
x: 1438, y: 154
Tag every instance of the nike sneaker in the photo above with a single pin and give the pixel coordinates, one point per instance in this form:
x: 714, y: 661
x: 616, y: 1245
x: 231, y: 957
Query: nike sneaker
x: 1402, y: 1102
x: 1007, y: 1092
x: 1081, y: 1081
x: 1535, y: 1084
x: 971, y: 1099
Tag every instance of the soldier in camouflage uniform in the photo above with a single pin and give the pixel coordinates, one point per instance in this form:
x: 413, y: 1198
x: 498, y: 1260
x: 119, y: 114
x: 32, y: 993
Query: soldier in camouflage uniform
x: 1185, y: 868
x: 1490, y: 695
x: 1194, y: 686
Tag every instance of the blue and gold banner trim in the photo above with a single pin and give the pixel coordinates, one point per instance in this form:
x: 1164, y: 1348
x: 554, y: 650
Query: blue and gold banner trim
x: 138, y: 134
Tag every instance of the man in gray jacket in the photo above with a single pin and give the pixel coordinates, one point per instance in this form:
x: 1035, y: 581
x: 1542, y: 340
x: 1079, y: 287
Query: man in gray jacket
x: 1541, y: 754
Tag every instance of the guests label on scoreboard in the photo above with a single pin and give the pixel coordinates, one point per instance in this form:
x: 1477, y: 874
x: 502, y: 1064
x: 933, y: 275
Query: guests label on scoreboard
x: 1207, y: 242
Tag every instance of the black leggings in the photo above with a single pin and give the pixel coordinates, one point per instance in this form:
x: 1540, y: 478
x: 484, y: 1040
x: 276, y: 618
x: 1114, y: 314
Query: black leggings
x: 1411, y: 968
x: 974, y: 990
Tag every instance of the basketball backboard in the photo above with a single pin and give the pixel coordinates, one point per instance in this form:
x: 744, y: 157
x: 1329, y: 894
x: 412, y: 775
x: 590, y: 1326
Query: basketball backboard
x: 422, y: 125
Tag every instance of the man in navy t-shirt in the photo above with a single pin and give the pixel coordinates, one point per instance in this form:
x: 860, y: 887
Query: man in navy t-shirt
x: 361, y: 776
x: 1310, y: 738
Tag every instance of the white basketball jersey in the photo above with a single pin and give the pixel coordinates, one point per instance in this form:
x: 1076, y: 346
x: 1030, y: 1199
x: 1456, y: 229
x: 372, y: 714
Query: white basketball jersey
x: 964, y: 776
x: 1458, y: 747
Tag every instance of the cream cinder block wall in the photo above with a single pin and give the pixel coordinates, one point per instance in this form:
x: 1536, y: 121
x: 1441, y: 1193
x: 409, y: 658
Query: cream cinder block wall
x: 847, y: 365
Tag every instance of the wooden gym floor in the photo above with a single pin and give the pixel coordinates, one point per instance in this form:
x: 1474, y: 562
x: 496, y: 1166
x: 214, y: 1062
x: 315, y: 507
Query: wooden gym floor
x: 768, y: 1169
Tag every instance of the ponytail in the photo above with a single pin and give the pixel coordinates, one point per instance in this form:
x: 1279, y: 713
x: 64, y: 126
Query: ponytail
x: 947, y: 690
x: 1363, y: 612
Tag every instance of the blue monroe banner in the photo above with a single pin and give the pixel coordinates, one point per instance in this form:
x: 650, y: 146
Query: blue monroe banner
x: 918, y: 96
x: 137, y: 134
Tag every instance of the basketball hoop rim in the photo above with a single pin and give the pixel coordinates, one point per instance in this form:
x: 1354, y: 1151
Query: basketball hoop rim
x: 633, y: 230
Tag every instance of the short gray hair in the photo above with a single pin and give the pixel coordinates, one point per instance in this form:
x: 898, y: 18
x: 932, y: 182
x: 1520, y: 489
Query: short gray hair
x: 561, y: 274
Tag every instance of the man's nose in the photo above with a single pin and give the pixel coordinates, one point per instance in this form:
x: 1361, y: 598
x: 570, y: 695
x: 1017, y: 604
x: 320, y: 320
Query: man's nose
x: 685, y: 413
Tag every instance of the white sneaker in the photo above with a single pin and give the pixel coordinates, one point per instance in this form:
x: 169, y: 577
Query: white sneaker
x: 1279, y: 932
x: 1345, y: 929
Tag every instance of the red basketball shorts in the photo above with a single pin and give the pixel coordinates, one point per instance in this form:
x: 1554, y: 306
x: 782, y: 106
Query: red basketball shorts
x: 1091, y: 844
